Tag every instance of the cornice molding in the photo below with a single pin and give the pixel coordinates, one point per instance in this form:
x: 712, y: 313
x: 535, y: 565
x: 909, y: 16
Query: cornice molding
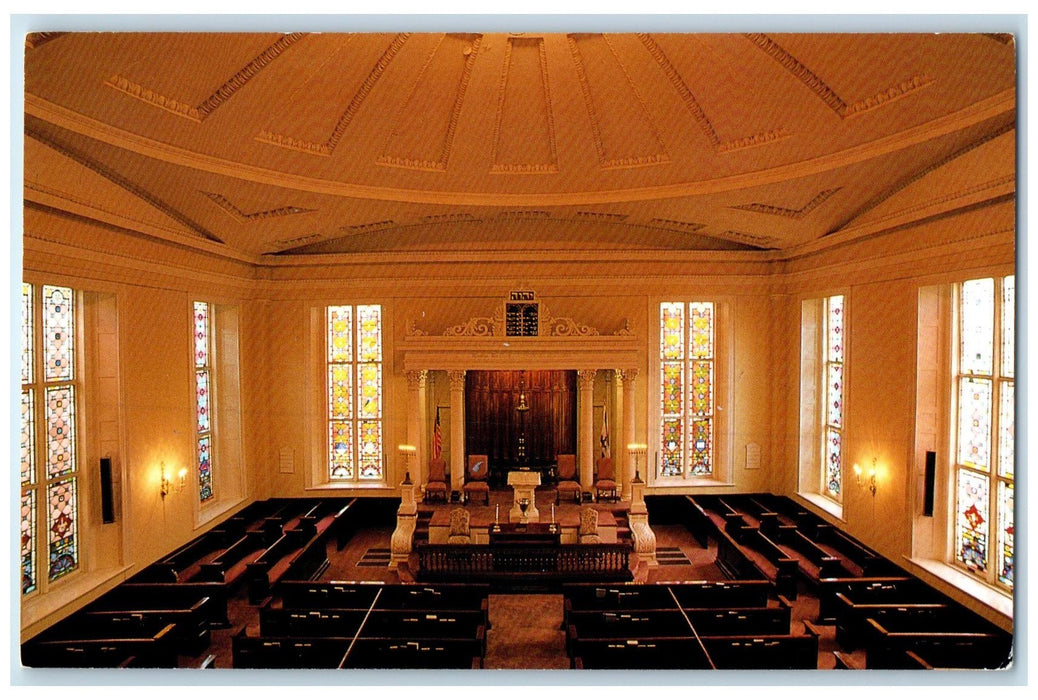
x: 789, y: 213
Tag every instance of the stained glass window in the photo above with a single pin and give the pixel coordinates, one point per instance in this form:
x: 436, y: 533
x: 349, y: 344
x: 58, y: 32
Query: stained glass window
x: 354, y: 392
x: 203, y: 352
x: 832, y: 388
x: 49, y: 518
x: 687, y: 389
x: 984, y: 429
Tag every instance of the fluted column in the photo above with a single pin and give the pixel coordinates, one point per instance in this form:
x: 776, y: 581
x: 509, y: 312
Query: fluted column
x: 415, y: 421
x: 628, y: 376
x: 585, y: 427
x: 457, y: 379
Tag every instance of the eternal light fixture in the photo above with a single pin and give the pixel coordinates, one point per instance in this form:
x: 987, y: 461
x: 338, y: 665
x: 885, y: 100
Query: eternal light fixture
x: 866, y: 480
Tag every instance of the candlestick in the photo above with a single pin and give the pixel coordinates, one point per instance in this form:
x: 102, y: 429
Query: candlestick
x: 497, y: 510
x: 553, y: 512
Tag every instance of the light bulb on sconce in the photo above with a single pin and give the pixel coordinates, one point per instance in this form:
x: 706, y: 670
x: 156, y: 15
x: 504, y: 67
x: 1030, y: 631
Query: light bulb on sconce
x: 866, y: 480
x: 166, y: 486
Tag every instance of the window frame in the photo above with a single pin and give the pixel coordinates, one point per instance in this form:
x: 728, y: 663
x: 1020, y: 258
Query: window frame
x: 41, y: 481
x: 721, y: 452
x: 989, y: 575
x: 321, y: 473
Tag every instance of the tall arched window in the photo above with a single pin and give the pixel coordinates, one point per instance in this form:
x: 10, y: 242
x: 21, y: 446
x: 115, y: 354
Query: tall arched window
x: 983, y: 428
x: 354, y: 393
x: 50, y: 547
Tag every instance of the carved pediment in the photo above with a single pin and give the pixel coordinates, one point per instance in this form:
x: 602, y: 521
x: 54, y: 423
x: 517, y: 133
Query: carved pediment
x: 515, y: 318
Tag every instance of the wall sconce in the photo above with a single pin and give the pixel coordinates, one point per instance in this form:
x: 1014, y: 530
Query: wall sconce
x: 166, y: 486
x: 866, y: 480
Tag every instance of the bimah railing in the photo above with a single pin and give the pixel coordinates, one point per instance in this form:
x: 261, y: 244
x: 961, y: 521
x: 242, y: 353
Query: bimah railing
x: 548, y: 563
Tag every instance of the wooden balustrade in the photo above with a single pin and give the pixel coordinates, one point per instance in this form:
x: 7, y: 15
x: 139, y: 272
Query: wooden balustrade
x: 543, y: 563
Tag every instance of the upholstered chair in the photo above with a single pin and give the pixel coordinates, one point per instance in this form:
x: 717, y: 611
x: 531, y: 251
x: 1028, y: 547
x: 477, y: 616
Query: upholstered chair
x: 605, y: 481
x: 567, y: 473
x: 459, y: 524
x: 476, y: 478
x: 436, y: 486
x: 587, y: 533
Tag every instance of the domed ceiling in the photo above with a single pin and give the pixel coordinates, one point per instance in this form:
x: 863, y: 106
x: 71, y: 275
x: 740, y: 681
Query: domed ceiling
x: 264, y: 146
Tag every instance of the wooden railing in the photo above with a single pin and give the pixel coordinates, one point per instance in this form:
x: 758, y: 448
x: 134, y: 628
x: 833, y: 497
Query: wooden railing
x: 545, y: 563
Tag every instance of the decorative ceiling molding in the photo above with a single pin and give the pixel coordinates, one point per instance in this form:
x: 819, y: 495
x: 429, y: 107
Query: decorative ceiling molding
x: 606, y: 145
x: 523, y: 215
x: 526, y: 61
x: 698, y: 115
x: 326, y: 148
x: 751, y: 238
x: 795, y: 214
x: 123, y: 182
x: 203, y: 109
x: 241, y: 217
x: 599, y: 217
x: 283, y: 243
x: 674, y: 225
x: 414, y: 117
x: 844, y: 110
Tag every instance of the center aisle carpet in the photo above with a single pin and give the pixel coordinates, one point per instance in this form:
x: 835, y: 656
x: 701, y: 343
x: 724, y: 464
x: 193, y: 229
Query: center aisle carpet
x: 525, y: 632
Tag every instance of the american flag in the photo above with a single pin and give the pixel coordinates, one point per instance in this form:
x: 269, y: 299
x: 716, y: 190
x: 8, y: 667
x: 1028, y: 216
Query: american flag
x: 437, y: 445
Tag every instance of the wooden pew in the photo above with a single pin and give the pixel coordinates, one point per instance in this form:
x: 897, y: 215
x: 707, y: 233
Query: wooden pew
x: 730, y: 594
x: 786, y: 566
x: 887, y: 648
x: 328, y: 594
x: 181, y: 563
x: 698, y: 522
x: 852, y: 616
x: 764, y: 652
x: 288, y: 652
x: 869, y: 562
x: 141, y: 596
x: 230, y: 566
x: 739, y: 621
x: 309, y: 564
x: 383, y: 653
x: 142, y: 650
x: 279, y: 554
x: 945, y: 655
x: 192, y: 635
x: 620, y: 624
x: 734, y: 522
x: 825, y: 565
x: 307, y: 622
x: 829, y: 587
x: 733, y: 561
x: 427, y: 624
x: 650, y: 653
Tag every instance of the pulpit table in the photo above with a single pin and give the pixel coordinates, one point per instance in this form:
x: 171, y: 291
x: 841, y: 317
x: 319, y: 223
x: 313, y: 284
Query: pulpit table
x: 524, y: 484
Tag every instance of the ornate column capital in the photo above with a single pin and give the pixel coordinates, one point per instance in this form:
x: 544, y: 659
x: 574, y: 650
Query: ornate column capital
x: 585, y: 379
x: 416, y: 378
x: 457, y: 379
x: 628, y: 375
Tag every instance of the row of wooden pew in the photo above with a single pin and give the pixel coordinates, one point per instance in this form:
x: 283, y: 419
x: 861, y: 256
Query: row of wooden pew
x: 898, y: 620
x: 684, y: 625
x: 169, y: 608
x: 367, y: 625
